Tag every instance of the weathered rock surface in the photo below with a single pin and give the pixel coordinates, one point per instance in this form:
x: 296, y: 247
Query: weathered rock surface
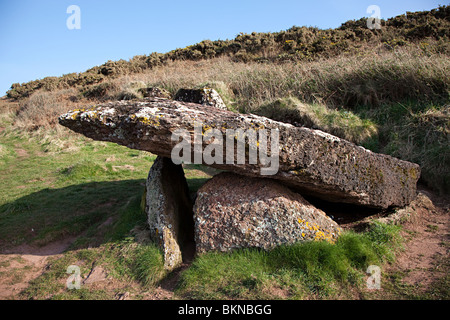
x: 232, y: 211
x: 205, y: 96
x: 311, y: 161
x: 169, y: 210
x: 152, y: 92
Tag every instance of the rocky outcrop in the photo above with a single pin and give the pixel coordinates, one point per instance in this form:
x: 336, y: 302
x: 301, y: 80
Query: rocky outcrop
x: 233, y: 211
x: 311, y: 161
x: 169, y: 210
x: 154, y: 92
x: 205, y: 96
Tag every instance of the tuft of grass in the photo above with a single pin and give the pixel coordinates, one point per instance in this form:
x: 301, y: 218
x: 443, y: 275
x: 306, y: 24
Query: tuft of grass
x: 303, y: 270
x: 147, y: 265
x: 342, y: 123
x: 223, y: 275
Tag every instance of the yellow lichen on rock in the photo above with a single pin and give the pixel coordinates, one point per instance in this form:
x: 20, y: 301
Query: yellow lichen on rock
x: 150, y: 121
x: 319, y: 234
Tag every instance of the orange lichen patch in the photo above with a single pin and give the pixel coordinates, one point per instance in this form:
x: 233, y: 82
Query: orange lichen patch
x: 206, y: 128
x: 151, y: 121
x: 319, y: 234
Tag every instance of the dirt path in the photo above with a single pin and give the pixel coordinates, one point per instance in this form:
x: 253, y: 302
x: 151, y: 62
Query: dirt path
x: 425, y: 259
x: 22, y: 264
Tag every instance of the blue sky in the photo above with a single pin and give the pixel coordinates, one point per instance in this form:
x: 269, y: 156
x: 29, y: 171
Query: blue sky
x: 35, y: 41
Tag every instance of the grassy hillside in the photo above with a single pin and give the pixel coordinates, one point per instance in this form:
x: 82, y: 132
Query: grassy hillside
x: 429, y: 30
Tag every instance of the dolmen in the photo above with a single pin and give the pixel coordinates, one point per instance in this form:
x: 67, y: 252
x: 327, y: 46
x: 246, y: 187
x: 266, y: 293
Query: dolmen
x: 267, y: 167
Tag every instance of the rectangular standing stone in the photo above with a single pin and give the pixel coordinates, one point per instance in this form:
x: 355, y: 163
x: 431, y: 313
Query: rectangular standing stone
x: 169, y: 210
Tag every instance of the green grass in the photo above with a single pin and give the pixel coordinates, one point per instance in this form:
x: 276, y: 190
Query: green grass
x: 72, y: 190
x: 134, y: 266
x: 416, y: 132
x: 44, y: 200
x: 342, y: 123
x: 304, y: 270
x: 76, y: 191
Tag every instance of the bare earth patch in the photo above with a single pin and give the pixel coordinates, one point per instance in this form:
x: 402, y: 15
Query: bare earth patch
x: 21, y: 264
x: 425, y: 259
x: 21, y: 152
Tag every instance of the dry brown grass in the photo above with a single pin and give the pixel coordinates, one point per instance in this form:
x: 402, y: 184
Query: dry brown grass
x: 41, y: 109
x: 372, y: 78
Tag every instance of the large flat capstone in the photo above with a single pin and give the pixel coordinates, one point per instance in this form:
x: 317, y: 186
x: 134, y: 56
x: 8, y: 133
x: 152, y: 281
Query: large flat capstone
x: 311, y: 161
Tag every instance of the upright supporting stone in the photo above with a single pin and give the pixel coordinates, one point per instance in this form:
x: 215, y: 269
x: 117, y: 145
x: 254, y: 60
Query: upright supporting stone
x: 169, y: 210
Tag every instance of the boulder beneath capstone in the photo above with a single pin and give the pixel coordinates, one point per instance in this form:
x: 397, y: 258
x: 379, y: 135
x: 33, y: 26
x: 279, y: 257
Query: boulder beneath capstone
x: 232, y: 211
x: 311, y: 161
x: 169, y: 210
